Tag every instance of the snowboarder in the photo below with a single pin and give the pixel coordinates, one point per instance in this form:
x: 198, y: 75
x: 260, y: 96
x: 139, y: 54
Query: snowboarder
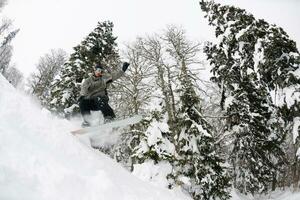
x: 93, y: 94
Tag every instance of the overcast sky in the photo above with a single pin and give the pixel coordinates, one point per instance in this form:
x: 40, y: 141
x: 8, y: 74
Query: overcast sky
x: 52, y: 24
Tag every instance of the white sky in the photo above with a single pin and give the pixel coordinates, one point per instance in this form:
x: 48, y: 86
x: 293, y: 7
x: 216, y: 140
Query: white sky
x: 51, y: 24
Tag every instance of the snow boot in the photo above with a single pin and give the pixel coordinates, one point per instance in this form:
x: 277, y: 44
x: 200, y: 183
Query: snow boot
x: 85, y: 124
x: 108, y: 119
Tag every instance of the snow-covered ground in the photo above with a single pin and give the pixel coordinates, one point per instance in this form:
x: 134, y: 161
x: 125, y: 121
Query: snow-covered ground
x: 278, y: 195
x: 41, y: 160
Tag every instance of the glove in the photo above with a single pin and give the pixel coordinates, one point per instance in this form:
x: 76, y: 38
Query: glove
x: 125, y: 66
x: 101, y: 99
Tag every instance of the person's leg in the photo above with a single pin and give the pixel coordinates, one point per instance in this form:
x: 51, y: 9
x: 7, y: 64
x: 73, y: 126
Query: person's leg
x: 85, y: 110
x: 107, y: 111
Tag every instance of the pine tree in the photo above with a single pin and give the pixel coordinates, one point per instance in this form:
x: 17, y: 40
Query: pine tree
x: 155, y: 143
x: 250, y: 62
x: 98, y: 47
x: 197, y: 160
x: 153, y: 146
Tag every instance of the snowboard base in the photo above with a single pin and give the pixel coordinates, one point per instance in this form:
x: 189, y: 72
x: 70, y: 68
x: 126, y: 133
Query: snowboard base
x: 114, y: 124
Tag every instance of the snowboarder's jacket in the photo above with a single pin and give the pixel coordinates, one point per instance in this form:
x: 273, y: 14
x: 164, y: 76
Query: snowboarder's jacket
x: 96, y: 86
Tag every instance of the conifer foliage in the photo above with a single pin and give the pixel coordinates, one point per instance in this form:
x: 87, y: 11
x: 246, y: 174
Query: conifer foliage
x: 257, y: 67
x: 155, y: 143
x: 197, y: 159
x: 98, y: 47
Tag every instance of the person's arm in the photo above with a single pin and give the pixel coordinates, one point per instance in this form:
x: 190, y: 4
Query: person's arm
x: 117, y: 74
x: 84, y: 88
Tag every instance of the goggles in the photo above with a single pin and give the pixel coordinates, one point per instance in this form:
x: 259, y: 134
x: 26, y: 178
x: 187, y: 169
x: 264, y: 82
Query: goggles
x: 99, y: 70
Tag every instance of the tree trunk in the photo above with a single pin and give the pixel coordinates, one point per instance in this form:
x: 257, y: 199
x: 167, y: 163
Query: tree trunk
x: 295, y: 168
x: 165, y: 90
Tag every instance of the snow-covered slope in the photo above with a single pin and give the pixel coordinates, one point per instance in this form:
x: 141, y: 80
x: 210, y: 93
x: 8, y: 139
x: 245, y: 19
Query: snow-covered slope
x: 277, y: 195
x: 40, y: 159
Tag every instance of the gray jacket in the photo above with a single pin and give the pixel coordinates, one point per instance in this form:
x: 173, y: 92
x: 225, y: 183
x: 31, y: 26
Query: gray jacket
x: 96, y: 86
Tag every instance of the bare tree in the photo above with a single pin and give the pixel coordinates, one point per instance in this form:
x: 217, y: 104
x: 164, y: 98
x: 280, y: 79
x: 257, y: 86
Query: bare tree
x: 135, y: 89
x: 6, y: 36
x: 2, y: 3
x: 184, y: 53
x: 5, y: 58
x: 153, y: 51
x: 47, y: 68
x: 14, y: 76
x: 164, y: 57
x: 180, y: 48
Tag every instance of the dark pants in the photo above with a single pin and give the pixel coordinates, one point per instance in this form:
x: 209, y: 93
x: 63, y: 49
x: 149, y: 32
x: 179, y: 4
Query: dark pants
x: 96, y: 104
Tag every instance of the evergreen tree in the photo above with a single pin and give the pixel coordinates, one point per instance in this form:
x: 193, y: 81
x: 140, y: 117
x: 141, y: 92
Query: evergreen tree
x: 197, y: 159
x: 98, y: 47
x: 154, y: 147
x: 155, y: 143
x: 251, y: 61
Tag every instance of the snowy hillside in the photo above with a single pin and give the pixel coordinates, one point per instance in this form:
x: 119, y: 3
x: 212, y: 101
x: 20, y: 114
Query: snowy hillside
x: 40, y: 159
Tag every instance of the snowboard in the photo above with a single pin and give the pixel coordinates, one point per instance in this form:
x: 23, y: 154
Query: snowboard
x: 114, y: 124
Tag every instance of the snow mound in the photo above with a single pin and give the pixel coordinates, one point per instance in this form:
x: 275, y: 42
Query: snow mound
x: 41, y: 160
